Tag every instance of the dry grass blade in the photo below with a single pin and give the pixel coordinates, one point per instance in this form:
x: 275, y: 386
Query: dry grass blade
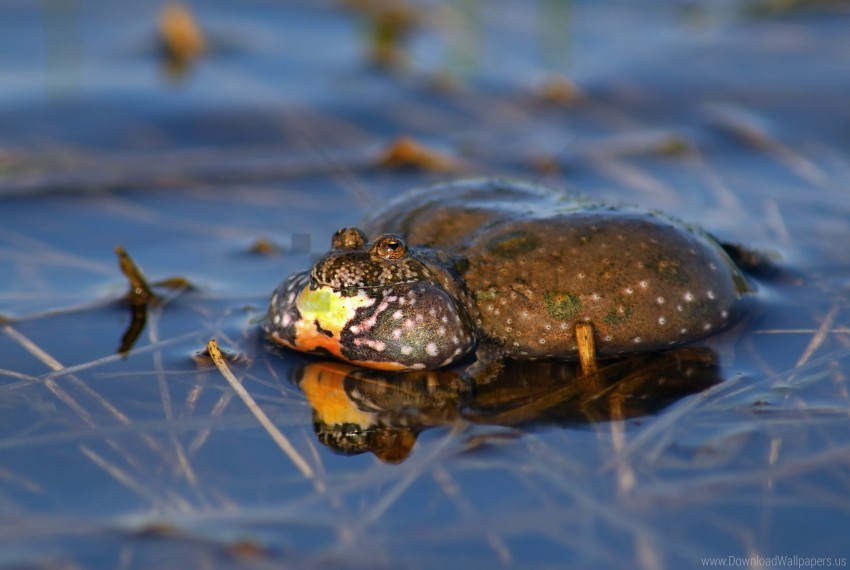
x: 24, y: 379
x: 819, y: 337
x: 21, y: 481
x: 168, y: 410
x: 452, y: 490
x: 119, y: 474
x: 276, y: 435
x: 53, y: 364
x: 745, y: 126
x: 65, y: 397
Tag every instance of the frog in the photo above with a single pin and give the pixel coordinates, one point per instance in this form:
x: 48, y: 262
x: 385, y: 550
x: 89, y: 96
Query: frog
x: 505, y: 269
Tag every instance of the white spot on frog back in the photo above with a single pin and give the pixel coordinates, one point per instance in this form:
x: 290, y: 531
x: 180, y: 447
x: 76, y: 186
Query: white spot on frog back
x: 431, y: 348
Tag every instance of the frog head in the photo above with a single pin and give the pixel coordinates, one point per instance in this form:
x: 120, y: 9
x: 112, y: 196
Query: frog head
x: 378, y: 304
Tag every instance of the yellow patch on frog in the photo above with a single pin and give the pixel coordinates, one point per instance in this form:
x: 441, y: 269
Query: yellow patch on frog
x: 331, y: 311
x: 324, y: 385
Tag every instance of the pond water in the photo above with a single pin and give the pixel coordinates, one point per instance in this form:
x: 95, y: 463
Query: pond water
x: 730, y: 114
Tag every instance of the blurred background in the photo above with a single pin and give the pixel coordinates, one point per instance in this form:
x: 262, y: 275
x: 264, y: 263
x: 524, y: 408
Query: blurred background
x: 223, y: 143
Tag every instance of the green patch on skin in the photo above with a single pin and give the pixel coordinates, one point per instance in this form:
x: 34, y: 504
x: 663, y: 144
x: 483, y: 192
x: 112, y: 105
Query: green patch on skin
x: 561, y: 305
x: 615, y: 317
x: 513, y: 244
x: 485, y: 295
x: 669, y: 270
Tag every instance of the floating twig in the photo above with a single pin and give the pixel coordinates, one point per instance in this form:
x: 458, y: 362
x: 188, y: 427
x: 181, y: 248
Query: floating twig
x: 140, y: 296
x: 276, y: 434
x: 140, y: 292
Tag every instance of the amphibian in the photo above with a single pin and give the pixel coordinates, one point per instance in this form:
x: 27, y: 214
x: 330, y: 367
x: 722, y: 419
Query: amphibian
x: 510, y: 267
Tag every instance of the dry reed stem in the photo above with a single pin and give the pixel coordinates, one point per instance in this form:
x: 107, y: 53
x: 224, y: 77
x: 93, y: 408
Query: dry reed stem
x: 586, y: 348
x: 276, y: 435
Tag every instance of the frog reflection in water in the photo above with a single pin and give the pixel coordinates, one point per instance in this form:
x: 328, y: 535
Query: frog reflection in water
x: 358, y: 410
x: 510, y: 268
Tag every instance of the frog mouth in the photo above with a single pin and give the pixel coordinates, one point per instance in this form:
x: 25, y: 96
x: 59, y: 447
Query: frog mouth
x: 349, y: 286
x: 353, y: 290
x: 312, y: 319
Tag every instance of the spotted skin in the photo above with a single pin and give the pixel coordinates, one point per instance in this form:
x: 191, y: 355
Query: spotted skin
x: 407, y: 311
x: 507, y: 263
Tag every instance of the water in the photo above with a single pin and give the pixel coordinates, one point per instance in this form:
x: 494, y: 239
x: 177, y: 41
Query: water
x: 716, y: 113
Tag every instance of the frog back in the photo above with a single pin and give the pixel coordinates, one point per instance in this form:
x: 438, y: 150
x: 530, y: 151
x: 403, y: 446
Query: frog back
x: 538, y: 261
x: 644, y: 281
x: 448, y: 216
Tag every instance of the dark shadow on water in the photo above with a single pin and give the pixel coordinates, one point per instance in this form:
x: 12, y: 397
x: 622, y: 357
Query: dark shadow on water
x: 356, y: 410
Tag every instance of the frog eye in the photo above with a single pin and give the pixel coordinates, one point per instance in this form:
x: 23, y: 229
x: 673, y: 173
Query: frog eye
x: 348, y: 238
x: 390, y: 247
